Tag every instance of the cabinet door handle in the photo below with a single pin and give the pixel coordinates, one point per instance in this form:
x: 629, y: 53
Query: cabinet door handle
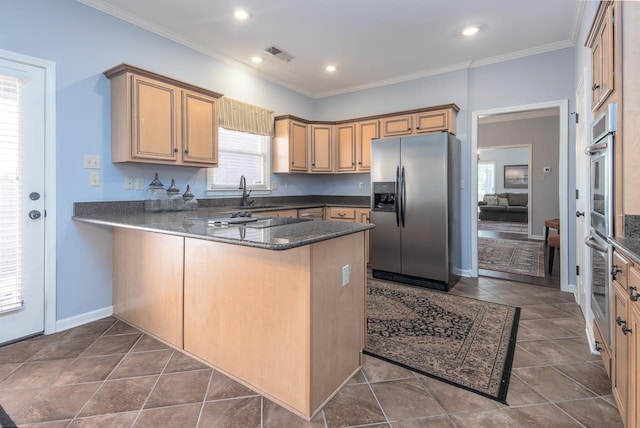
x: 615, y: 270
x: 620, y: 321
x: 186, y: 152
x: 597, y: 346
x: 175, y: 150
x: 595, y: 86
x: 633, y: 294
x: 626, y: 330
x: 359, y: 163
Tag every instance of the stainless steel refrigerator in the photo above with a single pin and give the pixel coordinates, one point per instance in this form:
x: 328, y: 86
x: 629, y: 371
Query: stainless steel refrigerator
x: 415, y: 206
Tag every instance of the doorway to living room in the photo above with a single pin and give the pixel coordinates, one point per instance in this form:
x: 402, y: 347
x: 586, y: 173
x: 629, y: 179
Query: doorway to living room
x: 517, y: 190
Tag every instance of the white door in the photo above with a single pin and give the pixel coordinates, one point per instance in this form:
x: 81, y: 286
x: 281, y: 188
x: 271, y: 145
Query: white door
x: 582, y: 171
x: 22, y: 200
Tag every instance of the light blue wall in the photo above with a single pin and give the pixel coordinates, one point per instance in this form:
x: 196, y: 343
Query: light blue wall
x: 84, y: 42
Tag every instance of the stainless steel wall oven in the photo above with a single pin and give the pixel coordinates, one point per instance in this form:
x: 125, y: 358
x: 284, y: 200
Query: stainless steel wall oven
x: 601, y: 216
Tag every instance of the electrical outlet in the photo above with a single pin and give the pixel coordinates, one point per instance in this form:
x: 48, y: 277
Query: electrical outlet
x: 94, y: 179
x: 346, y: 273
x: 92, y: 162
x: 274, y: 185
x: 361, y: 185
x: 128, y: 183
x: 139, y: 183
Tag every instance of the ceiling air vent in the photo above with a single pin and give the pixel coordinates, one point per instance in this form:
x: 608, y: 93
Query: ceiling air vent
x: 279, y: 53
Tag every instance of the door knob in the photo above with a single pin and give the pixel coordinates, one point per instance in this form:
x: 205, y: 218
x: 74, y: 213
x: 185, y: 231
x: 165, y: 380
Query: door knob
x: 579, y: 213
x: 34, y: 214
x: 34, y: 196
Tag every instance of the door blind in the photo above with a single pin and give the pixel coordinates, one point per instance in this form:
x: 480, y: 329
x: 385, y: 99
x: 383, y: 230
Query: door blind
x: 10, y: 191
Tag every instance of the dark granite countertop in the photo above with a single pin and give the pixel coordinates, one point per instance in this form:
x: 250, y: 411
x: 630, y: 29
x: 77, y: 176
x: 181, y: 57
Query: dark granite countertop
x: 193, y: 224
x: 629, y: 246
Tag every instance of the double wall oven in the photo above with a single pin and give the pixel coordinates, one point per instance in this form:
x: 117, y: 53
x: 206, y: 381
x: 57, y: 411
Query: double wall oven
x: 601, y: 216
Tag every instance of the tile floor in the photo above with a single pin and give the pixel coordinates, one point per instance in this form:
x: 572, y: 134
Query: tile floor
x: 107, y: 373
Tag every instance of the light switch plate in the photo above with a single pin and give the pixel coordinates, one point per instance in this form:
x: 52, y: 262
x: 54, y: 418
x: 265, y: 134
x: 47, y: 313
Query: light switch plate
x: 128, y: 183
x: 139, y: 183
x: 92, y: 162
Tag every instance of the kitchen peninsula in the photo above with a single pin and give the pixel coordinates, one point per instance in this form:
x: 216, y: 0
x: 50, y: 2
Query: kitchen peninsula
x: 278, y: 308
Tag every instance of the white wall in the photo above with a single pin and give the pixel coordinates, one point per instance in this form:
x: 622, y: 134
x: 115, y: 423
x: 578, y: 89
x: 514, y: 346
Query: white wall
x: 84, y: 42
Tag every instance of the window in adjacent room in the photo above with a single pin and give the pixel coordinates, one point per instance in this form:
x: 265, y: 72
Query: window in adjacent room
x: 486, y: 178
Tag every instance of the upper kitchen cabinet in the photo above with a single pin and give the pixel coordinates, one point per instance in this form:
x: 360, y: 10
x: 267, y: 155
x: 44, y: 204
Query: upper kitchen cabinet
x: 366, y: 131
x: 345, y: 147
x: 601, y: 41
x: 290, y: 145
x: 420, y: 121
x: 159, y: 120
x: 321, y: 148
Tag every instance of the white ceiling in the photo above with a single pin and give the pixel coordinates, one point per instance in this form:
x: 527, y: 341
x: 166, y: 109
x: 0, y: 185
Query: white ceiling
x: 373, y: 42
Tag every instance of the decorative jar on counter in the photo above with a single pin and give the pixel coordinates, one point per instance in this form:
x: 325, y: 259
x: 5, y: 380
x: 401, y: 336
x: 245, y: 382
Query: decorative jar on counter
x: 157, y: 199
x: 190, y: 202
x: 176, y: 203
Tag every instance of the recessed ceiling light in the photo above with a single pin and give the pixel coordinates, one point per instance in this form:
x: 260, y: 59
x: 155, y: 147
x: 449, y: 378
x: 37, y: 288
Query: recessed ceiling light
x: 257, y: 59
x: 242, y: 15
x: 331, y: 68
x: 471, y: 30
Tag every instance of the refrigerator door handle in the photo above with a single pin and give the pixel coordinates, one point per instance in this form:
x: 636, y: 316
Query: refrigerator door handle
x: 403, y: 198
x: 397, y: 202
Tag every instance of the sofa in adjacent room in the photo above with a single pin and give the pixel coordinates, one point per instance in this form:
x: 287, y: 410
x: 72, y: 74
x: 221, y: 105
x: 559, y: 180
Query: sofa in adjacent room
x: 511, y: 207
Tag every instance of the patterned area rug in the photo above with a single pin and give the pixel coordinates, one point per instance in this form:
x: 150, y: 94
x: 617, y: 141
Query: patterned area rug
x: 503, y: 226
x: 507, y: 255
x: 456, y: 339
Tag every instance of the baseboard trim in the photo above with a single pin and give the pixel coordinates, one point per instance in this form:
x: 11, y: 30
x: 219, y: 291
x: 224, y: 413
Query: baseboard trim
x: 87, y: 317
x: 464, y: 272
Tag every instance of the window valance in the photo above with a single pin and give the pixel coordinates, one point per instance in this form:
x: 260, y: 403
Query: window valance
x: 238, y: 116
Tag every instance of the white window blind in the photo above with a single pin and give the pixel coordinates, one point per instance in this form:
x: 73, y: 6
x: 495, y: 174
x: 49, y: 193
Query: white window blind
x: 10, y: 207
x: 241, y: 153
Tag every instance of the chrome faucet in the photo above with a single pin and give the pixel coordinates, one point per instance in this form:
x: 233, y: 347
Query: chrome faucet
x: 245, y: 202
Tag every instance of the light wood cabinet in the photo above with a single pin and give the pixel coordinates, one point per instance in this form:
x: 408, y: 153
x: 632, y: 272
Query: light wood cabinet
x: 345, y: 147
x: 277, y: 213
x: 625, y: 345
x: 365, y: 132
x: 321, y: 148
x: 316, y: 213
x: 352, y: 215
x: 279, y: 321
x: 633, y: 410
x: 418, y: 123
x: 291, y: 147
x: 304, y: 146
x: 159, y: 120
x: 601, y: 41
x: 341, y: 214
x: 620, y: 348
x: 147, y: 282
